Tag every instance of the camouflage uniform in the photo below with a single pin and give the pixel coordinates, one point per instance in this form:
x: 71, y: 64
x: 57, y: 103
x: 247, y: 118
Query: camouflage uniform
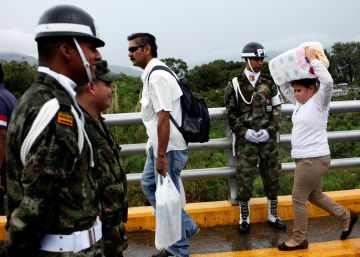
x: 260, y: 114
x: 55, y: 192
x: 111, y: 178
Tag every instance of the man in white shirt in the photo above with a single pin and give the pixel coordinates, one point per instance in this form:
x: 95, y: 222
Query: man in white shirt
x: 166, y: 148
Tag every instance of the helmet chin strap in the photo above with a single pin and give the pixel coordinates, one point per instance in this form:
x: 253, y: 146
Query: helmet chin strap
x: 84, y: 60
x: 251, y: 68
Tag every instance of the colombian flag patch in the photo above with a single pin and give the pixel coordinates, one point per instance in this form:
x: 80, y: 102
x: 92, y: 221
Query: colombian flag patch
x: 65, y: 119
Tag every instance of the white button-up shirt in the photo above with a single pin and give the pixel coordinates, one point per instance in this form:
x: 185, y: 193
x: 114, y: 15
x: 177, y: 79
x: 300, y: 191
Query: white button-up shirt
x: 161, y: 93
x: 308, y: 137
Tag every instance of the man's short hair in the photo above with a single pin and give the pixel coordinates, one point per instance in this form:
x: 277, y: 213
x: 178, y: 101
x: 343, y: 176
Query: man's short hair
x: 145, y: 39
x: 1, y: 74
x: 47, y: 46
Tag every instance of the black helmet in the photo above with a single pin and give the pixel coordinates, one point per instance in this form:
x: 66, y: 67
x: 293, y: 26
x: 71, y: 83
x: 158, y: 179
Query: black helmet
x: 69, y: 21
x: 253, y: 49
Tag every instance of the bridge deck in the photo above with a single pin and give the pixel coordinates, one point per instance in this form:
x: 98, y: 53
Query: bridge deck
x: 219, y: 236
x: 221, y: 241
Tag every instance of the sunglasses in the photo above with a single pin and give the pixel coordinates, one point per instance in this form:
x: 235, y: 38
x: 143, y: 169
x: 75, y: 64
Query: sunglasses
x: 135, y: 48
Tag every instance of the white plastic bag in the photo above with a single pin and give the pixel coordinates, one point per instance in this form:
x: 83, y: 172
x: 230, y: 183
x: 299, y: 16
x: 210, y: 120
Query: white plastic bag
x: 293, y: 64
x: 168, y: 214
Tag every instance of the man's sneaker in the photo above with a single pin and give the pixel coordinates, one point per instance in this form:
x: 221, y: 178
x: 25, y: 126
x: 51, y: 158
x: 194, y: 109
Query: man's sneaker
x: 244, y: 226
x: 163, y: 253
x: 273, y: 218
x: 193, y: 235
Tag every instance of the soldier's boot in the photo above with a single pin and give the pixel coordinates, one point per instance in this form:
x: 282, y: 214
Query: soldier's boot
x: 244, y: 224
x: 273, y: 218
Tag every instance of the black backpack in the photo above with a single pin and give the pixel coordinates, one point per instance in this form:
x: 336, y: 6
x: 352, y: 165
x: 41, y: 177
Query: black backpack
x: 195, y: 125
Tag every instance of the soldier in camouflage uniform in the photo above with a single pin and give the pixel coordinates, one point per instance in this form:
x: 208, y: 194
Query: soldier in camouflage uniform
x: 110, y: 174
x: 253, y: 107
x: 52, y: 199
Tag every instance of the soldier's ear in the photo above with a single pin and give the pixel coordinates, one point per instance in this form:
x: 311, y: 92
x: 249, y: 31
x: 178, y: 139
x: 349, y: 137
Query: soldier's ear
x: 90, y: 88
x: 66, y: 50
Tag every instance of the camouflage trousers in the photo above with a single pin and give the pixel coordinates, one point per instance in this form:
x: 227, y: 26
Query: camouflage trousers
x: 115, y: 240
x: 248, y: 156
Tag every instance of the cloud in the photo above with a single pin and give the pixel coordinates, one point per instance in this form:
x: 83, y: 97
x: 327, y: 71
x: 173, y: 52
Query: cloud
x: 227, y: 54
x: 284, y: 44
x: 16, y: 41
x: 357, y: 38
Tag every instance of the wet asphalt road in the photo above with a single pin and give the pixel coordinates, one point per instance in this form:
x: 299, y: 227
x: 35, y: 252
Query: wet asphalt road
x: 227, y: 238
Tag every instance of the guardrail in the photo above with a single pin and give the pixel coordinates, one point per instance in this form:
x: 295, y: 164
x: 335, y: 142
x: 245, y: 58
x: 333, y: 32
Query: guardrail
x: 126, y: 119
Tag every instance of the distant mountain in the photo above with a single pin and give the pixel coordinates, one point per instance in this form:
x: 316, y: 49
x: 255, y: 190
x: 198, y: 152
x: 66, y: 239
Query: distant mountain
x: 126, y: 70
x: 272, y: 54
x: 18, y: 57
x: 8, y: 57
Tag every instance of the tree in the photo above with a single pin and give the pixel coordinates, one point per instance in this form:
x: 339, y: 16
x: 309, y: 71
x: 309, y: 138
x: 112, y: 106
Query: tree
x: 177, y: 65
x: 344, y: 62
x: 205, y: 77
x: 214, y: 75
x: 18, y: 77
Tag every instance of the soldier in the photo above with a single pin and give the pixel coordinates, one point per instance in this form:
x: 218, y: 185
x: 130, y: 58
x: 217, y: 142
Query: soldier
x: 52, y: 199
x: 110, y: 174
x: 253, y: 107
x: 7, y: 104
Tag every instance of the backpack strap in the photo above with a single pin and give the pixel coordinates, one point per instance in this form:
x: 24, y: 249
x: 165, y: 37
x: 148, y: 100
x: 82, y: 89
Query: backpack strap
x: 167, y: 69
x: 164, y: 68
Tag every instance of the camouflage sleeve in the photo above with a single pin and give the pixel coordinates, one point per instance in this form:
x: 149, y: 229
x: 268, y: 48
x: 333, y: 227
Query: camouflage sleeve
x: 274, y: 126
x: 233, y: 112
x: 45, y: 172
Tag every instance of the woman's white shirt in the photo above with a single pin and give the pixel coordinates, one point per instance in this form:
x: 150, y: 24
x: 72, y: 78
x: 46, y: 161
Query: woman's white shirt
x: 309, y: 137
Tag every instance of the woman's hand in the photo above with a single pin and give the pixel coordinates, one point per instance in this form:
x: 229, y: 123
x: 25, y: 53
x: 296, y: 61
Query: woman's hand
x: 310, y: 53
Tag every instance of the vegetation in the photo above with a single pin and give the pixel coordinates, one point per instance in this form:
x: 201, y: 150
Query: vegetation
x: 208, y: 81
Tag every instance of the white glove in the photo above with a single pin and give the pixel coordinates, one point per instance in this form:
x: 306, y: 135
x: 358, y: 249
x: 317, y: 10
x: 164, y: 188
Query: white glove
x: 263, y: 135
x: 251, y: 136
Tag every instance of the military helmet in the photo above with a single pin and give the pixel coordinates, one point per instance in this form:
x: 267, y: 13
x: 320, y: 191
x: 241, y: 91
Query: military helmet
x: 253, y: 49
x: 103, y: 73
x: 67, y: 21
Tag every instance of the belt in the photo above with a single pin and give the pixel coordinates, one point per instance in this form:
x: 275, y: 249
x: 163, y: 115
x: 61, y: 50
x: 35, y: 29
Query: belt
x: 74, y: 242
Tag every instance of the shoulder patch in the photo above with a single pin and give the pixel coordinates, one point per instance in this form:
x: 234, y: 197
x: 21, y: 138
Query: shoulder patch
x: 65, y: 119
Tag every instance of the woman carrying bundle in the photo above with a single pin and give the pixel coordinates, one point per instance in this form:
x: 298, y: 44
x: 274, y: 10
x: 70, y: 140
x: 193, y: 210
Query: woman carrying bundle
x: 310, y: 150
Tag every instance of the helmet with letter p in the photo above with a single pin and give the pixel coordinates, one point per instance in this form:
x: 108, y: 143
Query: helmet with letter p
x: 253, y: 49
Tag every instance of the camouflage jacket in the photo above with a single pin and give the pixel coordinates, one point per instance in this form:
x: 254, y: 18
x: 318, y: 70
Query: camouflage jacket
x: 55, y: 191
x: 260, y: 114
x: 109, y: 172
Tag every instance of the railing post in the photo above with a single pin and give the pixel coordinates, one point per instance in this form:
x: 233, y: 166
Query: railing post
x: 231, y: 162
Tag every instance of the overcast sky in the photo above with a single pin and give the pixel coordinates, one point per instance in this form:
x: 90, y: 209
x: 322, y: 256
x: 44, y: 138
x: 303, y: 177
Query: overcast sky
x: 197, y: 31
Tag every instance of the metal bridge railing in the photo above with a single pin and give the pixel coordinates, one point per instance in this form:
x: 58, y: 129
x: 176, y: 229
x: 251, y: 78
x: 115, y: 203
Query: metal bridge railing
x: 126, y: 119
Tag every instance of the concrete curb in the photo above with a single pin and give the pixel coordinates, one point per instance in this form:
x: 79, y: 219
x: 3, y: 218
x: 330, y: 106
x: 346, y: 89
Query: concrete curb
x: 208, y: 214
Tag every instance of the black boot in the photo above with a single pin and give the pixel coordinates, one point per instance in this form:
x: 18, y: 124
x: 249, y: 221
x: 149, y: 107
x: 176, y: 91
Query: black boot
x: 244, y: 225
x: 273, y: 218
x: 353, y: 220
